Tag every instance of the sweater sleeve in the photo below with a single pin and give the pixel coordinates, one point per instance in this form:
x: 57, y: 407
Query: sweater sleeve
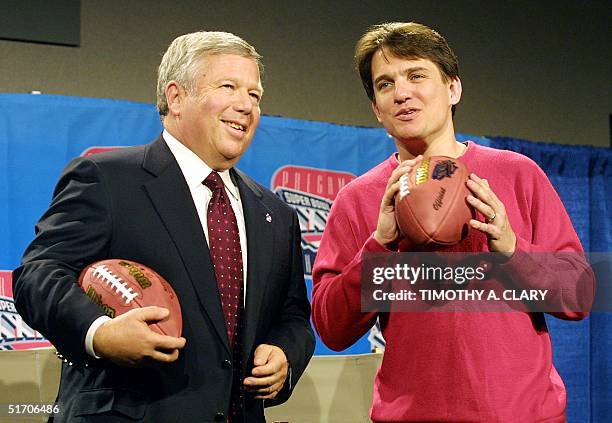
x: 553, y: 259
x: 336, y: 296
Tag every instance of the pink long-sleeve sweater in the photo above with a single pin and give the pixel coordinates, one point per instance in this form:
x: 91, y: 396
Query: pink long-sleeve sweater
x: 456, y: 366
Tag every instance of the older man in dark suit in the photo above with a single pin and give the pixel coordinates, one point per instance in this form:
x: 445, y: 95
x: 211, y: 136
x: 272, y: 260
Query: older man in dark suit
x: 246, y: 332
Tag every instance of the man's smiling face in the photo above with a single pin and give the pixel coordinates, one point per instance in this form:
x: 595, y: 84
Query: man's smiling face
x: 412, y: 100
x: 218, y: 119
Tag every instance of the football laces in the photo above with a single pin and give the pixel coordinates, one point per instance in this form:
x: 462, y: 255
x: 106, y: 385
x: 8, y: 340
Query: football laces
x: 404, y: 185
x: 115, y: 283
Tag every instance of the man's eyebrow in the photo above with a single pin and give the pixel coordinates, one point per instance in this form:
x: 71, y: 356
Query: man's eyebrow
x: 238, y: 82
x: 415, y: 69
x: 381, y: 77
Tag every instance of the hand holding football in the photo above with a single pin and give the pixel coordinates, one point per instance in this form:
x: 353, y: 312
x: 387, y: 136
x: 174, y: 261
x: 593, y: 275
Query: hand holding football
x: 431, y: 206
x: 118, y: 286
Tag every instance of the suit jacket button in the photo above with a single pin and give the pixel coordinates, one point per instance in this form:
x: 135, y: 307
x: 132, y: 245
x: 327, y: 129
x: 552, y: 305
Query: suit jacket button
x: 227, y: 364
x: 219, y: 417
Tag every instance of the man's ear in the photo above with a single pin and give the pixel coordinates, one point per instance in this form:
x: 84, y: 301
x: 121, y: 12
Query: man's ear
x: 455, y: 90
x: 376, y: 111
x: 175, y: 95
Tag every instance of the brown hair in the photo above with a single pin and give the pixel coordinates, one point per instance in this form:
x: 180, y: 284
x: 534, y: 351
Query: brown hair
x: 410, y: 40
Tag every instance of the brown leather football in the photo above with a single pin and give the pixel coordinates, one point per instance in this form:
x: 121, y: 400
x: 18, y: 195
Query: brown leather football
x: 118, y: 286
x: 431, y: 207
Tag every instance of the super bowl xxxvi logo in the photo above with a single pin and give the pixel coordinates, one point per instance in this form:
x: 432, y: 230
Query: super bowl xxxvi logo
x: 310, y: 192
x: 15, y: 334
x: 444, y: 169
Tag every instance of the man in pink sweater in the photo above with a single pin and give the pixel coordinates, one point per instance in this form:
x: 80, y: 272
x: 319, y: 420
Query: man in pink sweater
x: 452, y: 366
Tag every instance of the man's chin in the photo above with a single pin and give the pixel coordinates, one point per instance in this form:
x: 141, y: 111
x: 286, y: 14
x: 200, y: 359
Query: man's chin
x: 413, y: 144
x: 231, y: 158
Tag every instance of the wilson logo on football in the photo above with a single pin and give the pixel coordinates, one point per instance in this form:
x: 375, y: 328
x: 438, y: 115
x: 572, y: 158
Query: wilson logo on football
x: 311, y: 192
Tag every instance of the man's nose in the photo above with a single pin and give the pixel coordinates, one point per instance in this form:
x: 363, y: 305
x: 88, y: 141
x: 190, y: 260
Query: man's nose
x: 403, y: 91
x: 243, y: 102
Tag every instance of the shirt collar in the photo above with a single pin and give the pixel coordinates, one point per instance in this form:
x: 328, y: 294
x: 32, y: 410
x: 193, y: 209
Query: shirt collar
x: 194, y: 169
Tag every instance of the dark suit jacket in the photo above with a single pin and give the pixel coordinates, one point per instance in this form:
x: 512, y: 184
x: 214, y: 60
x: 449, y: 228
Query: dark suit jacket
x: 134, y: 204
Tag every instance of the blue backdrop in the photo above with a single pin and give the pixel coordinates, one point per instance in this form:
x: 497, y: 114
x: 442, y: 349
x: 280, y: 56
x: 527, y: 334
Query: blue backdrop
x: 39, y: 134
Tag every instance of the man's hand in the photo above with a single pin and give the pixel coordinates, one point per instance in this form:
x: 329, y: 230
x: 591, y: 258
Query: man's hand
x: 127, y: 339
x: 269, y: 372
x: 387, y: 231
x: 501, y: 237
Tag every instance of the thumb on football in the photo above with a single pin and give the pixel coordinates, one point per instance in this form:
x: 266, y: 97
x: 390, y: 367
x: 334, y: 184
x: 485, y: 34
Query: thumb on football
x: 152, y: 313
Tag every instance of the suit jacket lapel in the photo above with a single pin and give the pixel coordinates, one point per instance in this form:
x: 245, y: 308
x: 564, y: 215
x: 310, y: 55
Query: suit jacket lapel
x: 259, y: 222
x: 171, y: 198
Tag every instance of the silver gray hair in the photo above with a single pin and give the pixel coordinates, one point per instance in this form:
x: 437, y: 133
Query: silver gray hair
x: 181, y: 60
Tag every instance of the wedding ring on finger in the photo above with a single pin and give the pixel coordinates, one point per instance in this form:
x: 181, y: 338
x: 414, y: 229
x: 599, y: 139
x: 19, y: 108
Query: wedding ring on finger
x: 492, y: 218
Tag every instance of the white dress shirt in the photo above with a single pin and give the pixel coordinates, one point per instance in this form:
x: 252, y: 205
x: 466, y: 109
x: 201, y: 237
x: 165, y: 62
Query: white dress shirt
x: 195, y: 171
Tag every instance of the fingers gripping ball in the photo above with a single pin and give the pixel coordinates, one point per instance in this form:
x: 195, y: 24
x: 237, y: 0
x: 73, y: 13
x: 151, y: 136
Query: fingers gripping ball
x: 121, y: 285
x: 431, y: 206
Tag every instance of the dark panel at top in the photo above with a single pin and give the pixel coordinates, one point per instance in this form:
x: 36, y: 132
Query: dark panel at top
x: 41, y: 21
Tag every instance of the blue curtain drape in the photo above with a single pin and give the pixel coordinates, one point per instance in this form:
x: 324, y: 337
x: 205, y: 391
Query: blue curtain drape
x: 581, y: 176
x: 39, y: 134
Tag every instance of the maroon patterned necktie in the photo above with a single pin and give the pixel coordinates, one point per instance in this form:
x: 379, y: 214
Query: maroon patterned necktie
x: 226, y: 255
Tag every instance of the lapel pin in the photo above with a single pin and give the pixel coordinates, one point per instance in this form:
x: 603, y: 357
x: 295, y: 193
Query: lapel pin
x: 268, y: 218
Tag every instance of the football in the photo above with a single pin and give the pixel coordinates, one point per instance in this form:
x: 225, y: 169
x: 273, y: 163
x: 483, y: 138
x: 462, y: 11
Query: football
x: 118, y: 286
x: 431, y: 207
